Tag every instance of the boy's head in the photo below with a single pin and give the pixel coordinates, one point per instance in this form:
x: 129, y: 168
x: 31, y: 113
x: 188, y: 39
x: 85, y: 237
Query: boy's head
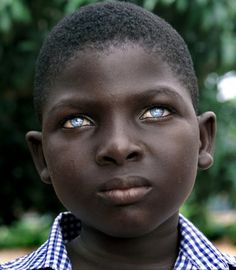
x: 102, y: 25
x: 120, y: 141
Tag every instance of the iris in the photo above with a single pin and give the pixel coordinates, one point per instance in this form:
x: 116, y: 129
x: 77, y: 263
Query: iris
x: 157, y: 112
x: 77, y: 122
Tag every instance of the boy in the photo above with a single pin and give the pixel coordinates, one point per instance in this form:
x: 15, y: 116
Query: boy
x: 121, y: 141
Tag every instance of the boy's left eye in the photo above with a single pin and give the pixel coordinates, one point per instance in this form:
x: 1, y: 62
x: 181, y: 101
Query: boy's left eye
x: 155, y: 112
x: 77, y: 122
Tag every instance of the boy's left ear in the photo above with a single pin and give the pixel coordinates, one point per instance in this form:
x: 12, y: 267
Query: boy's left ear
x: 207, y: 127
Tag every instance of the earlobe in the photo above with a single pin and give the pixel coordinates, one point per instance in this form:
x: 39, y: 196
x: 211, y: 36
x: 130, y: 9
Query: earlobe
x: 207, y: 127
x: 34, y: 141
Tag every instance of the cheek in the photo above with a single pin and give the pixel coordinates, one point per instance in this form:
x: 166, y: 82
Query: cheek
x: 183, y: 162
x: 67, y: 167
x: 66, y: 156
x: 175, y: 156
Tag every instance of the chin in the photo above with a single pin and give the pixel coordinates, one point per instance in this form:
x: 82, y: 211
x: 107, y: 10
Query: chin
x: 134, y: 226
x: 129, y: 227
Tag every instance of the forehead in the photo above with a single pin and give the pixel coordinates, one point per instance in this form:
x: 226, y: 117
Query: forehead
x: 121, y: 71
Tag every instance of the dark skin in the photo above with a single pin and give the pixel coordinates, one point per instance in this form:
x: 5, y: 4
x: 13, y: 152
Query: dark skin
x: 121, y: 144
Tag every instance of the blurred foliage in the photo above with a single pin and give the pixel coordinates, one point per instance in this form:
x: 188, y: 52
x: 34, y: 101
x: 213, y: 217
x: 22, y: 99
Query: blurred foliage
x: 231, y: 233
x: 28, y: 231
x: 209, y: 28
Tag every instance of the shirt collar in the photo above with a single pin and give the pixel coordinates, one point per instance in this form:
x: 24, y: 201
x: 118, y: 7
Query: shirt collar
x: 65, y: 228
x: 196, y: 250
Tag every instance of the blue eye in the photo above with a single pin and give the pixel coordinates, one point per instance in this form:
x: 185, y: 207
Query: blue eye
x: 77, y: 122
x: 156, y: 112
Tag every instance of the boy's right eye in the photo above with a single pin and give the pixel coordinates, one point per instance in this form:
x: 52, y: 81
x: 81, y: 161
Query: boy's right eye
x: 77, y: 122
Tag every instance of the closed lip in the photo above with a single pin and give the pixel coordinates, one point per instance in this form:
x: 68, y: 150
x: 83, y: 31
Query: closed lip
x: 124, y: 190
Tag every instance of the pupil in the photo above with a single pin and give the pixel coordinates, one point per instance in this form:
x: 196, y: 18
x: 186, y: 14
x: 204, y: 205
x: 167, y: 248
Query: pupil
x: 156, y: 112
x: 77, y: 122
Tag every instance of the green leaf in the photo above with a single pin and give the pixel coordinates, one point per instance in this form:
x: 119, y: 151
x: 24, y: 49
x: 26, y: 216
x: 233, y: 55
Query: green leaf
x: 181, y: 5
x: 20, y: 12
x: 5, y: 22
x: 150, y: 4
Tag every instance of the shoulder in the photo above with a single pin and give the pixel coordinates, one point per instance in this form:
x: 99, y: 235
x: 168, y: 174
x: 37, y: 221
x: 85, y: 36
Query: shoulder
x: 197, y: 250
x: 29, y: 261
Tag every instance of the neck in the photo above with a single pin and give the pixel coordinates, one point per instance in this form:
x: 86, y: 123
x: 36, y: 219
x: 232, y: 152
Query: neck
x: 155, y: 250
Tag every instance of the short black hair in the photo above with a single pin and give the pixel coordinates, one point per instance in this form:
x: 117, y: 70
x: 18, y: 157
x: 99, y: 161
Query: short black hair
x: 97, y: 26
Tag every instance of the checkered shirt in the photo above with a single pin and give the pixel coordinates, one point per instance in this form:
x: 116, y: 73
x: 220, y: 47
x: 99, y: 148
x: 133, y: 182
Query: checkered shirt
x: 195, y: 251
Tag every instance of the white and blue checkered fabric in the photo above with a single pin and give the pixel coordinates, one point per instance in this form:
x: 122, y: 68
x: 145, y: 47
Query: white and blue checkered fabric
x: 195, y: 251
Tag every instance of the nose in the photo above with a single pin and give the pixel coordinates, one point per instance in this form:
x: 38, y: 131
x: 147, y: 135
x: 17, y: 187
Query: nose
x: 119, y: 148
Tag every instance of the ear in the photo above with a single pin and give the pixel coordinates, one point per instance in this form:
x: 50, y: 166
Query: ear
x: 207, y: 127
x: 34, y: 141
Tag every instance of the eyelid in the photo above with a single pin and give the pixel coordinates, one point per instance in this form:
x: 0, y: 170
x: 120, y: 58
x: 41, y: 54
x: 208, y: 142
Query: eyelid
x: 71, y: 117
x: 163, y: 107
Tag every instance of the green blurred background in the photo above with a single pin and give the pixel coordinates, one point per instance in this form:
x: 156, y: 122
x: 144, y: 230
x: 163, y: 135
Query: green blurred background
x: 27, y: 205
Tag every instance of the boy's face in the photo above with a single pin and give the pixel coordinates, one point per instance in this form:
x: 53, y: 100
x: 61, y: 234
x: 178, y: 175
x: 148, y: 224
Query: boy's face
x: 120, y: 141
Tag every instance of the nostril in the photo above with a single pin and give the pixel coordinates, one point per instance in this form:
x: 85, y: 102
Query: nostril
x: 118, y: 156
x: 132, y: 155
x: 108, y: 159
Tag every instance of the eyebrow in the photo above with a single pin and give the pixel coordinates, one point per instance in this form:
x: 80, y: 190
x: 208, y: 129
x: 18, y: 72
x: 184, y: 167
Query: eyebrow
x: 137, y: 97
x: 73, y: 104
x: 160, y: 90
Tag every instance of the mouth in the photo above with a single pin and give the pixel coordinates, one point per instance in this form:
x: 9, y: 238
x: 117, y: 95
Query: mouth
x: 124, y: 190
